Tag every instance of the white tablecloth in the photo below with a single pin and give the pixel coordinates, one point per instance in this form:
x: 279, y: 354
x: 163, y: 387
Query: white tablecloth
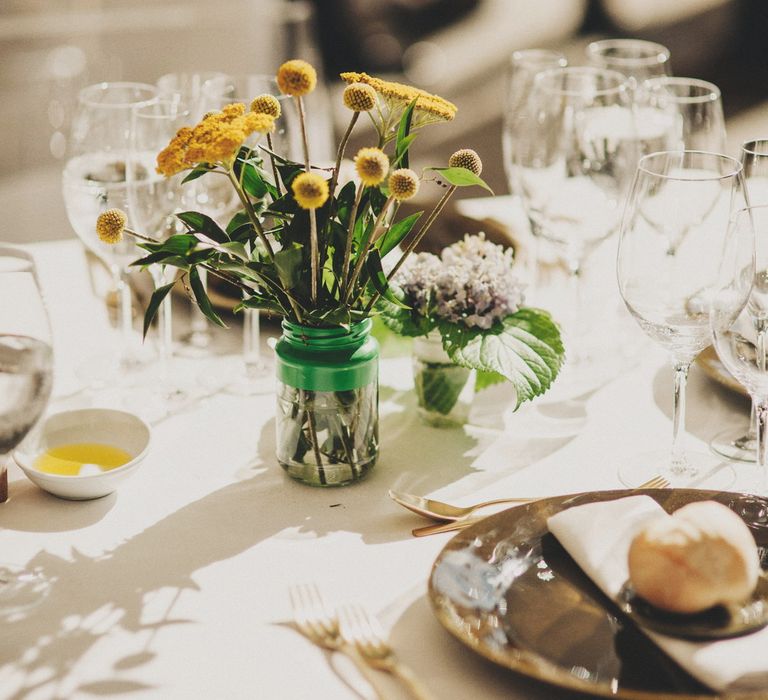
x: 176, y: 586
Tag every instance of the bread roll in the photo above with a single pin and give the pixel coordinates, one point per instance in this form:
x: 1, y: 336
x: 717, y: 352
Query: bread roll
x: 701, y: 556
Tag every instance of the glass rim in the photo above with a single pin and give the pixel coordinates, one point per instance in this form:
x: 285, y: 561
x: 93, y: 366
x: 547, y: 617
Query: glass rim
x: 622, y: 86
x: 539, y: 56
x: 737, y: 169
x: 183, y: 109
x: 746, y: 210
x: 233, y: 80
x: 712, y: 94
x: 657, y: 54
x: 749, y: 147
x: 83, y: 95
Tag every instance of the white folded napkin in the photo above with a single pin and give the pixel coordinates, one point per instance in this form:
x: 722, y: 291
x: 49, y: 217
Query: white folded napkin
x: 598, y: 535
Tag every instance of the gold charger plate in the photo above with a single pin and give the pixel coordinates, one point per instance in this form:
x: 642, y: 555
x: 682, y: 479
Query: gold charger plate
x: 711, y: 366
x: 508, y: 590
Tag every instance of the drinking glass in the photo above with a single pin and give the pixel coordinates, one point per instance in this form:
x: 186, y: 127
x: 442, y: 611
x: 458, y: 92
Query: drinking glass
x: 741, y: 445
x: 94, y: 180
x: 154, y: 201
x: 635, y: 58
x: 689, y: 109
x: 572, y: 167
x: 670, y: 247
x: 739, y: 319
x: 522, y: 69
x: 188, y: 88
x: 26, y: 371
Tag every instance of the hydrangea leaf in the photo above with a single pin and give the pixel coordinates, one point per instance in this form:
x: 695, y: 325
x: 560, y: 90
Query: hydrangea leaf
x: 525, y: 348
x: 486, y: 379
x: 403, y: 321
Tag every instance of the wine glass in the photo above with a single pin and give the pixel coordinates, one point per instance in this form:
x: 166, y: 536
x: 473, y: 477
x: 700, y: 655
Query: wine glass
x: 573, y: 163
x: 94, y: 181
x: 154, y: 201
x: 739, y: 323
x: 26, y: 372
x: 522, y: 68
x: 691, y: 109
x: 741, y: 445
x: 670, y: 247
x: 635, y: 58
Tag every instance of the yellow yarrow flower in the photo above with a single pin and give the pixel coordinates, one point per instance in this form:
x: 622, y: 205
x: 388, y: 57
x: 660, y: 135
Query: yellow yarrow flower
x: 296, y: 78
x: 266, y: 104
x: 110, y: 226
x: 215, y: 139
x: 403, y: 184
x: 310, y: 190
x: 466, y: 158
x: 371, y: 165
x: 359, y: 97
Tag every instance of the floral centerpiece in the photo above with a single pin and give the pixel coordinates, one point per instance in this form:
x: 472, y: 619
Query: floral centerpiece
x: 310, y: 248
x: 465, y: 308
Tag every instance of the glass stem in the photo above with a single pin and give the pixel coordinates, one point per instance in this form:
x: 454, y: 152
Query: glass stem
x: 761, y: 413
x: 251, y: 342
x: 4, y: 459
x: 199, y: 325
x: 164, y: 321
x: 575, y: 322
x: 124, y: 310
x: 679, y: 462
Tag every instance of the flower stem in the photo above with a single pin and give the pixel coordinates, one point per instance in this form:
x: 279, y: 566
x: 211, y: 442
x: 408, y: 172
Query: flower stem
x: 414, y: 242
x: 303, y: 124
x: 350, y: 235
x: 340, y: 154
x: 246, y: 202
x: 313, y: 252
x: 274, y: 166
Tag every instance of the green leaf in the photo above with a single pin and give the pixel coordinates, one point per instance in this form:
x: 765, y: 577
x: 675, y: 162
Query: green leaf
x: 403, y: 130
x: 196, y: 173
x: 391, y: 239
x: 525, y: 348
x: 203, y: 224
x: 398, y: 159
x: 238, y: 220
x: 486, y: 379
x: 461, y: 177
x: 379, y: 279
x: 252, y: 181
x: 154, y: 304
x: 203, y: 302
x: 288, y: 262
x: 403, y: 321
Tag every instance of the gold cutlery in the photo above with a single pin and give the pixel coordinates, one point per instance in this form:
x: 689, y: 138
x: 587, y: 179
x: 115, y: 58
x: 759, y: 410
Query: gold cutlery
x: 437, y: 510
x: 321, y: 627
x: 365, y: 633
x: 657, y: 482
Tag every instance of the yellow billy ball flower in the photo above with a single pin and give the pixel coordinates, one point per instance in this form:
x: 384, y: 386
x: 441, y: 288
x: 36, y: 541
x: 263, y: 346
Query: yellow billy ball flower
x: 266, y: 104
x: 403, y: 184
x: 359, y: 97
x: 372, y: 165
x: 296, y: 77
x: 310, y: 190
x: 466, y: 158
x: 110, y: 225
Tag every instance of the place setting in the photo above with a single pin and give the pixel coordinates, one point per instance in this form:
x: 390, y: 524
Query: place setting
x: 381, y: 385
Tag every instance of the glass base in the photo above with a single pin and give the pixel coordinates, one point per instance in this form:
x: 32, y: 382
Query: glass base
x: 736, y: 445
x: 753, y: 510
x: 329, y: 474
x: 21, y: 589
x: 704, y: 471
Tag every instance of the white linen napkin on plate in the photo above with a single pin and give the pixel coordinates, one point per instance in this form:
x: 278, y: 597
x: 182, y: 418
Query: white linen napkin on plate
x: 598, y: 535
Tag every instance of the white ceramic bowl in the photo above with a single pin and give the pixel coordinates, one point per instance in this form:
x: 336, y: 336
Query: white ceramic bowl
x: 103, y: 425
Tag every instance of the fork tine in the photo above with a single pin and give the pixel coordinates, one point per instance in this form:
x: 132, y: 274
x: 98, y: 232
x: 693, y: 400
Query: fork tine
x: 657, y: 482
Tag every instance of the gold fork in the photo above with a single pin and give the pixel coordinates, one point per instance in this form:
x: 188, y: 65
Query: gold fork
x: 657, y: 482
x: 365, y: 633
x: 321, y: 627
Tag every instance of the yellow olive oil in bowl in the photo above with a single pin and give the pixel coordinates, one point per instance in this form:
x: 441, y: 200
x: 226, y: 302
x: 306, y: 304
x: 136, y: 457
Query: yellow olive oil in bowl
x: 81, y: 459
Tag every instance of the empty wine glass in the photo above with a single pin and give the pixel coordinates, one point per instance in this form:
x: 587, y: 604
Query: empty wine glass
x: 739, y: 321
x: 572, y: 167
x: 522, y: 68
x: 741, y: 445
x: 688, y: 110
x: 635, y: 58
x: 670, y: 248
x: 94, y: 181
x: 154, y: 201
x: 188, y: 88
x: 26, y: 371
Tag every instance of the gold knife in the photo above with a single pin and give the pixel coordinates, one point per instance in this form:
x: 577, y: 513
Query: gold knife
x: 444, y: 527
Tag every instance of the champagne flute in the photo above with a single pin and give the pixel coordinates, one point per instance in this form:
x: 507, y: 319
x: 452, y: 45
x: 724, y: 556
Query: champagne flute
x: 154, y: 201
x: 739, y: 322
x: 635, y: 58
x: 522, y: 69
x: 26, y: 371
x: 671, y: 243
x: 738, y: 444
x: 572, y: 166
x: 691, y: 108
x: 94, y: 181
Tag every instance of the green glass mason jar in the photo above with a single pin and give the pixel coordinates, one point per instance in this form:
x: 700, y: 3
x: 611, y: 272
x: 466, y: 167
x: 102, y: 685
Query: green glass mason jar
x: 327, y: 403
